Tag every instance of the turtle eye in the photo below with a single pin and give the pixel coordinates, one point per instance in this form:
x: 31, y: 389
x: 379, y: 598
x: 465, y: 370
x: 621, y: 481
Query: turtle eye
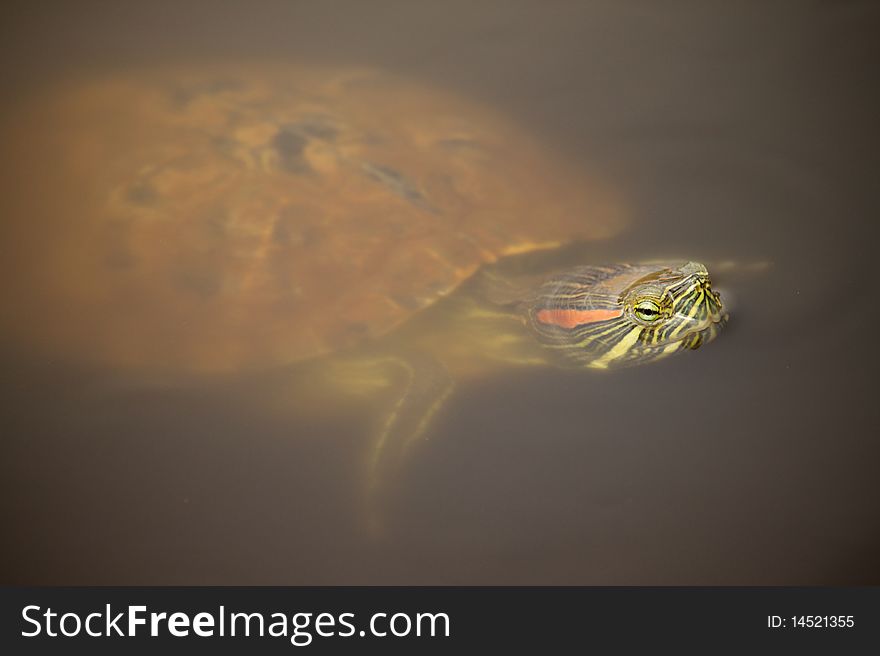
x: 647, y: 311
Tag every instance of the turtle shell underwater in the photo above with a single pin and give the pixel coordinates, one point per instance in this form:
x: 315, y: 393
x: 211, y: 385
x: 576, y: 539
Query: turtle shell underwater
x: 220, y: 218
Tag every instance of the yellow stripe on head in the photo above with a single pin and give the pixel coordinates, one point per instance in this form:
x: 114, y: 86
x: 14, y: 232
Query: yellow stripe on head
x: 620, y: 349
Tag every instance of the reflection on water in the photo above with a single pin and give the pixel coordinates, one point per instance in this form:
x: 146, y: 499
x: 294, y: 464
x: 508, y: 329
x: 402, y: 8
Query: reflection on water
x: 184, y: 245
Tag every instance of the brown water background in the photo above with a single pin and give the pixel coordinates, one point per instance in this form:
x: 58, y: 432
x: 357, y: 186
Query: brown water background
x: 743, y: 131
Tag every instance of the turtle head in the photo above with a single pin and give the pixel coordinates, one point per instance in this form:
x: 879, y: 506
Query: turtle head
x: 627, y: 314
x: 676, y: 308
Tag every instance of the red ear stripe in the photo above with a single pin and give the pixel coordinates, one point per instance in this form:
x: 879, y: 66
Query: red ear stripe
x: 572, y: 318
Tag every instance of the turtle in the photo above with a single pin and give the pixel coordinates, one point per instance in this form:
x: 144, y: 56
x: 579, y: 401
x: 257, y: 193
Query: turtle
x: 201, y: 219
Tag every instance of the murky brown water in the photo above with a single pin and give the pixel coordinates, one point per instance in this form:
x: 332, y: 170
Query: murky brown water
x: 729, y: 133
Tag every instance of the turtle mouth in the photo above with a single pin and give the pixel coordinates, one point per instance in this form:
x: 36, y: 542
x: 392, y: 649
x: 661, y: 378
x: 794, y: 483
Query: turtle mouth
x: 713, y: 326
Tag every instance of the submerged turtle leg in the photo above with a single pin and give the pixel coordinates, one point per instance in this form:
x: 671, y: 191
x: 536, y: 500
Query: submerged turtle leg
x: 426, y: 384
x: 410, y: 387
